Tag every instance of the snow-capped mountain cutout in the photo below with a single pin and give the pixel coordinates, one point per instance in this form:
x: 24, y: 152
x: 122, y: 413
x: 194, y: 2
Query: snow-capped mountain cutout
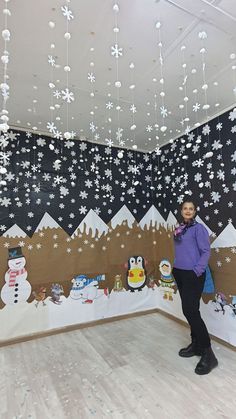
x: 199, y: 220
x: 227, y: 237
x: 171, y: 220
x: 14, y: 231
x: 47, y: 222
x: 123, y: 214
x: 91, y: 222
x: 152, y: 218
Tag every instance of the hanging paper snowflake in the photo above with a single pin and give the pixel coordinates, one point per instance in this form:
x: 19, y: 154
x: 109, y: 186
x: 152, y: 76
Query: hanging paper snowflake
x: 67, y: 95
x: 51, y: 60
x: 196, y: 107
x: 57, y: 94
x: 91, y: 77
x: 67, y: 13
x: 116, y: 51
x: 109, y: 105
x: 133, y: 108
x: 164, y: 111
x: 51, y: 127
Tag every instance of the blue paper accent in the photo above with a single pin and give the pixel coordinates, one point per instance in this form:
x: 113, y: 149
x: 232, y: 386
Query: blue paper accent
x: 209, y: 287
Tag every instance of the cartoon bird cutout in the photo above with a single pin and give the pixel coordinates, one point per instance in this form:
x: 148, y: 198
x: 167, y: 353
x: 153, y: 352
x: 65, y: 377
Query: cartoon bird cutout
x: 167, y: 281
x: 136, y: 274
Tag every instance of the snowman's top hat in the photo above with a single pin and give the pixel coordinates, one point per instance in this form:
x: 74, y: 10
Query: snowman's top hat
x: 15, y: 252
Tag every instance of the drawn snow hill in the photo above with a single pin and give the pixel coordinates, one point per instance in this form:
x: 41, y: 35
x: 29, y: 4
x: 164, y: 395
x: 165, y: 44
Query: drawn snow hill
x: 14, y: 231
x: 152, y: 219
x: 92, y: 225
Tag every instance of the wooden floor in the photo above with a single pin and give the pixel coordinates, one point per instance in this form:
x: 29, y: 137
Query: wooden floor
x: 125, y: 369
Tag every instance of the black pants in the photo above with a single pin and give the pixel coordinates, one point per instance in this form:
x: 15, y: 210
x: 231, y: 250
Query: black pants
x: 190, y: 288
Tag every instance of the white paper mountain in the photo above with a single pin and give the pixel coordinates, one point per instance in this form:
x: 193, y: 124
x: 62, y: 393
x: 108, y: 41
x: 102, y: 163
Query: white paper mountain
x: 227, y: 237
x: 14, y: 231
x: 152, y: 218
x: 91, y: 222
x: 123, y: 214
x: 47, y: 222
x: 171, y: 220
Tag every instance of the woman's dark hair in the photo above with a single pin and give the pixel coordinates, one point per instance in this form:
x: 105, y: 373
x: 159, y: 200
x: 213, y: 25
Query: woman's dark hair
x: 189, y: 200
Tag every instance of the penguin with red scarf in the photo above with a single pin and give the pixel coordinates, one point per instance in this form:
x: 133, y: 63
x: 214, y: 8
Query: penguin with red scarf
x: 16, y: 289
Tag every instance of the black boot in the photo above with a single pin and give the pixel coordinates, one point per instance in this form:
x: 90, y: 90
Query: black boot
x: 191, y: 350
x: 207, y: 362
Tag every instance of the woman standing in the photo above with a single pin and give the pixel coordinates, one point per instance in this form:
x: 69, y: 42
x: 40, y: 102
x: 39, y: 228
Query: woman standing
x: 192, y: 252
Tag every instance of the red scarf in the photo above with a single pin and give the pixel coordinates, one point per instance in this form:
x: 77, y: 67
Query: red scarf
x: 13, y: 274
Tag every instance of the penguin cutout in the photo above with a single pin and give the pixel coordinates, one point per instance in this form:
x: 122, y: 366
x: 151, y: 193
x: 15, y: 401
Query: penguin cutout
x: 136, y: 273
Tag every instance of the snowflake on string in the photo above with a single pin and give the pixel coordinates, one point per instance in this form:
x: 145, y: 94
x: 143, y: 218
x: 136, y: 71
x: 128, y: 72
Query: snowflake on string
x: 233, y: 157
x: 164, y: 111
x: 91, y: 77
x: 58, y: 135
x: 5, y: 202
x: 196, y: 107
x: 92, y: 127
x: 116, y: 51
x: 67, y: 95
x: 67, y: 13
x: 149, y: 128
x: 56, y: 165
x: 119, y: 133
x: 51, y: 60
x: 215, y: 196
x: 206, y: 130
x: 4, y: 157
x: 3, y: 141
x: 51, y: 127
x: 198, y: 163
x: 57, y: 94
x: 233, y: 129
x: 158, y: 151
x: 187, y: 130
x: 217, y: 145
x: 221, y: 175
x: 109, y: 142
x: 232, y: 115
x: 133, y: 108
x: 109, y: 105
x: 58, y: 179
x: 219, y: 126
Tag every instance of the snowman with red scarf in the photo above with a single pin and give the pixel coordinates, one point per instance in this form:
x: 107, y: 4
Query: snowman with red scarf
x: 17, y: 289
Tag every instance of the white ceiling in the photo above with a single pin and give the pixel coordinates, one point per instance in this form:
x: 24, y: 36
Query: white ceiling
x: 92, y: 27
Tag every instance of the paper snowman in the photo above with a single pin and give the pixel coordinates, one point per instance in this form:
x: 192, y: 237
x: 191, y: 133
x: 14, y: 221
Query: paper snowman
x: 17, y: 289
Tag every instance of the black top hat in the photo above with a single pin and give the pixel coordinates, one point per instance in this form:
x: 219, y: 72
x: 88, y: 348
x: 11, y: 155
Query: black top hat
x: 15, y: 252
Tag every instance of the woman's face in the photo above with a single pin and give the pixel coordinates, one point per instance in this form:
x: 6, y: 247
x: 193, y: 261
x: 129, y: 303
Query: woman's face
x: 188, y: 211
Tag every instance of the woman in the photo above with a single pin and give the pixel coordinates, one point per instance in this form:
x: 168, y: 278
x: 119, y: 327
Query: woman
x: 192, y: 252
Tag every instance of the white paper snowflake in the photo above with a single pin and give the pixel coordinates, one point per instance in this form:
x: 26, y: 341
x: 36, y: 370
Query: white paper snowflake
x: 164, y: 112
x: 196, y: 107
x: 116, y: 51
x: 67, y: 95
x: 91, y: 77
x: 67, y: 13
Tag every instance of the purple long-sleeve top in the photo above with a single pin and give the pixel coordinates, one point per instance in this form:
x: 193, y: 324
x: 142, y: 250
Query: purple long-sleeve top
x: 192, y: 252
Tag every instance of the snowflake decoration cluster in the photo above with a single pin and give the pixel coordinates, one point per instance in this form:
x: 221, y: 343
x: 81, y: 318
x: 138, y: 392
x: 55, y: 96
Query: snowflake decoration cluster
x: 4, y: 86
